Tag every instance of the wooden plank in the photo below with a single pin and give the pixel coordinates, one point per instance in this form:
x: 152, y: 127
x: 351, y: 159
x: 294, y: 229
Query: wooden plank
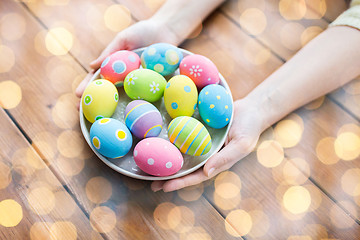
x: 33, y: 203
x: 107, y: 197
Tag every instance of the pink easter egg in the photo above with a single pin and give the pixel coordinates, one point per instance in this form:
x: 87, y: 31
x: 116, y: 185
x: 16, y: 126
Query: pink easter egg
x: 116, y: 66
x: 158, y: 157
x: 200, y: 69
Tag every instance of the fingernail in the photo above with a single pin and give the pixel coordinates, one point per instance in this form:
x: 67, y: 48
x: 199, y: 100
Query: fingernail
x: 210, y: 172
x: 156, y: 189
x: 93, y: 62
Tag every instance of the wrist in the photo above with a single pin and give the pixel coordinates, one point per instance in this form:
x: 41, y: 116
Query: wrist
x: 164, y: 32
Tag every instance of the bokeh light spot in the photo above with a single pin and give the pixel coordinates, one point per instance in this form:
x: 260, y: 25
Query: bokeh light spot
x: 315, y: 231
x: 117, y: 17
x: 154, y: 4
x: 350, y: 182
x: 10, y: 213
x: 64, y: 204
x: 161, y: 214
x: 347, y: 146
x: 315, y: 104
x: 63, y: 230
x: 196, y: 233
x: 59, y: 41
x: 238, y: 223
x: 5, y: 175
x: 10, y: 93
x: 40, y: 231
x: 64, y: 113
x: 297, y: 199
x: 270, y: 153
x: 69, y: 166
x: 255, y: 53
x: 41, y: 200
x: 181, y: 219
x: 191, y: 193
x: 292, y: 9
x: 310, y: 33
x: 296, y: 171
x: 70, y: 143
x: 98, y: 190
x: 290, y: 35
x: 12, y: 26
x: 7, y: 59
x: 288, y: 133
x: 253, y: 20
x: 102, y: 219
x: 261, y: 224
x: 325, y: 151
x: 227, y: 185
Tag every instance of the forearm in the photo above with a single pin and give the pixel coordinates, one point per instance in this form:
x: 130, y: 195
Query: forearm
x: 181, y: 17
x: 327, y: 62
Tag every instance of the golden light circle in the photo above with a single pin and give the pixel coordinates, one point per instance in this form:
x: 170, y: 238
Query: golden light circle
x: 41, y: 200
x: 5, y: 175
x: 292, y: 9
x: 56, y: 2
x: 238, y: 223
x: 347, y: 146
x: 10, y: 93
x: 117, y: 17
x: 191, y: 193
x: 196, y: 233
x: 316, y: 196
x: 261, y: 224
x: 310, y: 33
x: 227, y: 184
x: 63, y: 230
x: 350, y: 182
x: 181, y: 219
x: 44, y: 143
x: 243, y: 5
x: 315, y: 104
x: 61, y: 76
x: 337, y: 218
x: 19, y: 165
x: 227, y: 203
x: 255, y: 53
x: 290, y: 35
x: 297, y: 199
x: 40, y: 231
x: 64, y: 112
x: 102, y: 219
x: 33, y: 159
x: 253, y: 20
x: 325, y: 151
x: 12, y: 26
x: 196, y: 32
x: 288, y: 133
x: 69, y: 166
x: 70, y: 143
x: 7, y: 59
x: 39, y: 44
x: 10, y: 213
x: 161, y: 214
x: 351, y: 127
x: 98, y: 190
x: 59, y: 41
x: 296, y: 171
x: 315, y: 231
x: 270, y: 153
x: 154, y: 4
x: 64, y: 204
x: 95, y: 16
x: 299, y: 237
x: 316, y: 9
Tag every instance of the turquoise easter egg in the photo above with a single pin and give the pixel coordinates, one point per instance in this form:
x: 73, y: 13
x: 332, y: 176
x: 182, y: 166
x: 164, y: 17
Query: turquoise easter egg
x: 215, y: 106
x: 110, y: 137
x: 163, y: 58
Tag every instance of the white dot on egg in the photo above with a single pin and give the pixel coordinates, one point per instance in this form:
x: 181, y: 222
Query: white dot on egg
x: 150, y: 161
x: 209, y: 79
x: 184, y: 64
x: 147, y: 144
x: 135, y: 153
x: 168, y: 165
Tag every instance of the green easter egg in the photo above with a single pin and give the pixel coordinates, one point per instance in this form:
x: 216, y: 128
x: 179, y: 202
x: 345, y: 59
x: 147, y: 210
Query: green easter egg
x: 144, y: 84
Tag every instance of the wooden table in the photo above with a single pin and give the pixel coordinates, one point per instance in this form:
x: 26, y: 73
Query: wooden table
x: 301, y: 182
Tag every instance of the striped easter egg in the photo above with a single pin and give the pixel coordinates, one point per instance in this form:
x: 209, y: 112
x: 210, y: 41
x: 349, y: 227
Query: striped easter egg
x: 189, y: 135
x: 143, y: 119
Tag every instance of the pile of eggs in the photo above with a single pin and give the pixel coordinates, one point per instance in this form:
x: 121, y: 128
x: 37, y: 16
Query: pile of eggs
x: 143, y: 79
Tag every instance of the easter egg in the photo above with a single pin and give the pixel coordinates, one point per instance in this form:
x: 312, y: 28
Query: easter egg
x: 143, y: 119
x: 180, y: 96
x: 158, y: 157
x: 163, y: 58
x: 215, y: 106
x: 99, y: 100
x: 189, y: 135
x: 110, y: 137
x: 200, y: 69
x: 116, y: 66
x: 144, y: 84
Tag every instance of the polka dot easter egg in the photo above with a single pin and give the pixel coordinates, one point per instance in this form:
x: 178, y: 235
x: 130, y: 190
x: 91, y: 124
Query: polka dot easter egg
x: 99, y: 100
x: 143, y: 119
x: 215, y: 106
x: 157, y: 157
x: 110, y: 137
x: 200, y: 69
x: 189, y: 135
x: 144, y: 84
x: 163, y: 58
x: 116, y: 66
x: 180, y: 96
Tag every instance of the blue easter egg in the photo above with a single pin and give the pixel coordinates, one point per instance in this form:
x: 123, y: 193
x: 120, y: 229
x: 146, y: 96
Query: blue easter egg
x: 215, y: 106
x: 110, y: 137
x: 163, y: 58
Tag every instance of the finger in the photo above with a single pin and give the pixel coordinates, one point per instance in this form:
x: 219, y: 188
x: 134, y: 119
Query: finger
x: 157, y: 185
x: 81, y: 88
x: 115, y: 45
x: 188, y: 180
x: 224, y: 159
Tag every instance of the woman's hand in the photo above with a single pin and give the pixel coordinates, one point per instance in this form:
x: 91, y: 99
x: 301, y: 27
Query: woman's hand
x: 243, y: 135
x: 139, y: 35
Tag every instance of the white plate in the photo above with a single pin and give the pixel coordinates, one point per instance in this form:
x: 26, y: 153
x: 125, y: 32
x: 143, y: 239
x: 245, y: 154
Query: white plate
x: 126, y: 165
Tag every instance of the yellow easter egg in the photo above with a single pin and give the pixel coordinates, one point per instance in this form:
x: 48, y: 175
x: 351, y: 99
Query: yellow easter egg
x: 180, y: 96
x: 99, y: 100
